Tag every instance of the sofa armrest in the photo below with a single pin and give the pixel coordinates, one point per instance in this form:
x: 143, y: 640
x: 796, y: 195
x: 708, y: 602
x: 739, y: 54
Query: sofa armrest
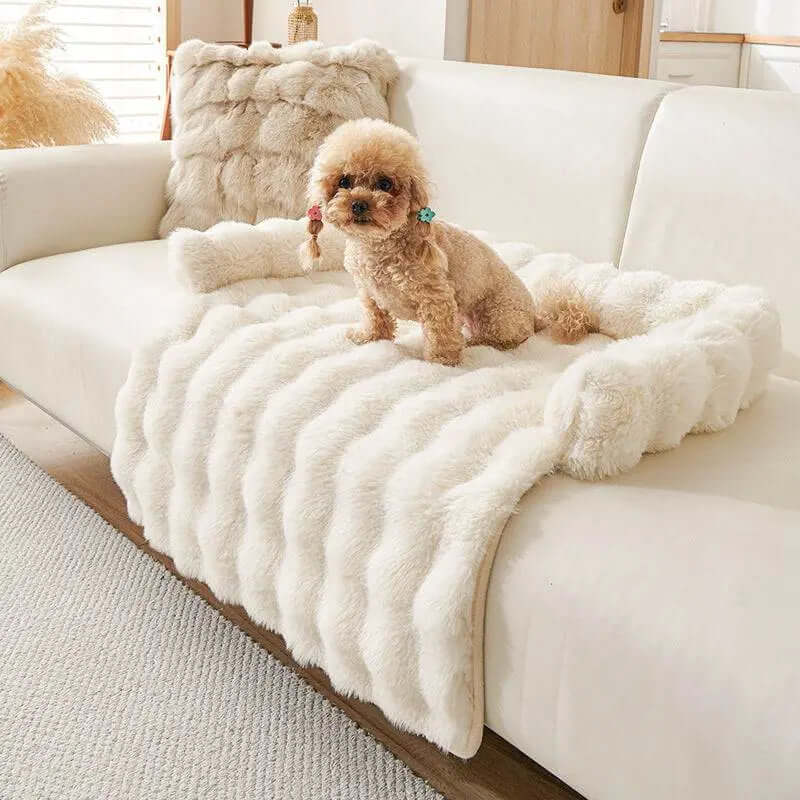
x: 58, y: 199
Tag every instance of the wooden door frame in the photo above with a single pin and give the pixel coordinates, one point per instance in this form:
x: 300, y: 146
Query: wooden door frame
x: 173, y: 24
x: 637, y: 34
x: 248, y: 22
x: 172, y: 38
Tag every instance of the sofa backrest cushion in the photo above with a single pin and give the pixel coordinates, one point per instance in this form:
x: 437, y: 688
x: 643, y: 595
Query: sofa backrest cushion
x: 529, y: 154
x: 718, y: 196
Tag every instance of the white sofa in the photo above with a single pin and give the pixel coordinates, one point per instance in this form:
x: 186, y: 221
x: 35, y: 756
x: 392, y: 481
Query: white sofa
x: 643, y: 633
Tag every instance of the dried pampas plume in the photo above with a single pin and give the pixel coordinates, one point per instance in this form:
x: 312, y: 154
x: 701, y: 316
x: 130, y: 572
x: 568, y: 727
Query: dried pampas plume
x: 38, y: 105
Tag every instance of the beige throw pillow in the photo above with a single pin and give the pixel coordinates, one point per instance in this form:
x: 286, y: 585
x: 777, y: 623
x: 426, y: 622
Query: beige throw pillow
x: 247, y: 124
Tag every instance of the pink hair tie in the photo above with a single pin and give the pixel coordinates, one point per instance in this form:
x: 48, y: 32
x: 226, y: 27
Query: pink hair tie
x: 315, y: 213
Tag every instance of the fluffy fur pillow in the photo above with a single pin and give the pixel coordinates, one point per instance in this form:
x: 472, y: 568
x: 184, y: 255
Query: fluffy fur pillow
x: 247, y: 124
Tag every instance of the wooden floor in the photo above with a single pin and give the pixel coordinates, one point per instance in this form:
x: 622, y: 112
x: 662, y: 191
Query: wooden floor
x: 497, y: 772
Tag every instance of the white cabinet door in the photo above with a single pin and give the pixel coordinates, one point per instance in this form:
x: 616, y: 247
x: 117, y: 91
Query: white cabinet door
x: 701, y: 63
x: 770, y: 66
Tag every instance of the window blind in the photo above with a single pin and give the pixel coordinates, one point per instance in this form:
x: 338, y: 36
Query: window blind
x: 117, y: 45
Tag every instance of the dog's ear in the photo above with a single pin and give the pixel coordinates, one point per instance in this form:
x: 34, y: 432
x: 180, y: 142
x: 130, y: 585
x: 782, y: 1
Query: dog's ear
x: 309, y: 253
x: 419, y: 195
x: 419, y: 190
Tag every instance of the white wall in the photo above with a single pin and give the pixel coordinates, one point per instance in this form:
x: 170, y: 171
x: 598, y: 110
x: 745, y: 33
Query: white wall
x: 776, y: 17
x: 418, y: 28
x: 455, y: 35
x: 212, y: 20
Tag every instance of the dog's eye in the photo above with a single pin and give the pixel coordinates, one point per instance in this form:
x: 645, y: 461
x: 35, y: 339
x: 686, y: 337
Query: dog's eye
x: 345, y: 182
x: 385, y: 184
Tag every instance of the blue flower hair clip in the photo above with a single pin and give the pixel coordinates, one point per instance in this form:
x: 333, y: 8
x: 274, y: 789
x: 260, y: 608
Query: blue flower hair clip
x: 426, y: 214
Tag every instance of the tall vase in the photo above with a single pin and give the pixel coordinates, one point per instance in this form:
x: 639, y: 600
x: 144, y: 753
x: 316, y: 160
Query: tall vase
x: 302, y: 24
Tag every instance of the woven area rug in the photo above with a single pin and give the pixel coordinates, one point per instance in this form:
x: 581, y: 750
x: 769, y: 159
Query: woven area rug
x: 117, y: 681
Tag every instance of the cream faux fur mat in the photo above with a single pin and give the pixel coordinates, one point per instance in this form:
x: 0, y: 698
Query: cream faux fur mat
x: 352, y: 498
x: 247, y: 123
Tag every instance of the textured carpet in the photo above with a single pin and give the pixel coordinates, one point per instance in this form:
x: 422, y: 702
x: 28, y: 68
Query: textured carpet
x: 116, y: 681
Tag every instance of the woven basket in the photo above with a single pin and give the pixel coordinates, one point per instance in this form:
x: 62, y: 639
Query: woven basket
x: 302, y: 24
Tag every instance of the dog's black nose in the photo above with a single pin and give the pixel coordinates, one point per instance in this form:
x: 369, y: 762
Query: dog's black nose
x: 359, y: 208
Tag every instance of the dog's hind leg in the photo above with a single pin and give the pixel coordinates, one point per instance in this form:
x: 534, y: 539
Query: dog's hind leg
x: 501, y: 321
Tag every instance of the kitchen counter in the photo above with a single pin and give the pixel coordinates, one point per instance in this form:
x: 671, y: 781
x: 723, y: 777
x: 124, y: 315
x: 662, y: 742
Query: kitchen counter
x: 729, y: 38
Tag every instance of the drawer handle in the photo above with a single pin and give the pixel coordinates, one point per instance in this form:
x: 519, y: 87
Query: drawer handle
x: 680, y: 74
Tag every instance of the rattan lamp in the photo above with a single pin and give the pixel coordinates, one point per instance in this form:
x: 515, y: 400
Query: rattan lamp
x: 303, y: 21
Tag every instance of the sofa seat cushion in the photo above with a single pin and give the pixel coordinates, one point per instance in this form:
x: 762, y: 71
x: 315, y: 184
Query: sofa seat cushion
x: 69, y: 322
x: 641, y: 632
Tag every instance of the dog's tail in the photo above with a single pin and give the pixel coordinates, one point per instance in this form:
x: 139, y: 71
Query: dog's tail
x: 565, y: 312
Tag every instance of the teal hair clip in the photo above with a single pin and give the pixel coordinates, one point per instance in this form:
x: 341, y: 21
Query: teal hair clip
x: 426, y: 214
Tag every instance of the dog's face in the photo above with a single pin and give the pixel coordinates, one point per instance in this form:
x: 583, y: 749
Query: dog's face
x: 368, y: 179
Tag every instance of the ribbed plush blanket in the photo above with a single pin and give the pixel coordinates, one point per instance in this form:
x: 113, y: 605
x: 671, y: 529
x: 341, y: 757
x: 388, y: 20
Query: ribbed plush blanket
x: 352, y: 498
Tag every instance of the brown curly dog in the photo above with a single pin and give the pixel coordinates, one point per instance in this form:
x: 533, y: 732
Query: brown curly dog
x: 369, y: 182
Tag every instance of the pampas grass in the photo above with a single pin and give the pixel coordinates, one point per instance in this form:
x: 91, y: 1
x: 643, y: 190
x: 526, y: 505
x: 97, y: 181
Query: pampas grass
x: 38, y: 104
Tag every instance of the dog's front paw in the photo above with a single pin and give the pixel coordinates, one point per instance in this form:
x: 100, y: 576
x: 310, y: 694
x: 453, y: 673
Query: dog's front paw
x: 360, y: 336
x: 450, y: 357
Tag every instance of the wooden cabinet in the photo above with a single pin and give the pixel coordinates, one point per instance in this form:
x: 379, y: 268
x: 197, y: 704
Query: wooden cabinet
x: 750, y: 61
x: 699, y: 63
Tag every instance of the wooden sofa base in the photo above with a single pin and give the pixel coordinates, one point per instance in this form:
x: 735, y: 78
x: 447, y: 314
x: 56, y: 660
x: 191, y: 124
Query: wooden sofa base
x: 498, y: 772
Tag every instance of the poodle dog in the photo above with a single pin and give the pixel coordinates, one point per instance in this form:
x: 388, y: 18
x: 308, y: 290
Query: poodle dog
x: 368, y: 181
